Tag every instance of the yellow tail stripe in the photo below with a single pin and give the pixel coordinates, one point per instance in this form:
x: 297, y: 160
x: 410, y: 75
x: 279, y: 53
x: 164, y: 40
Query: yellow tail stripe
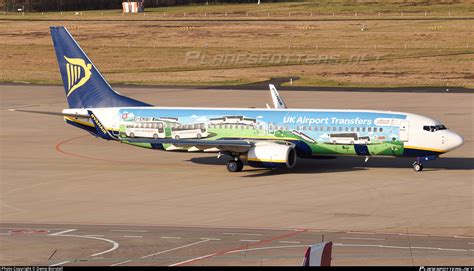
x: 75, y: 74
x: 68, y: 76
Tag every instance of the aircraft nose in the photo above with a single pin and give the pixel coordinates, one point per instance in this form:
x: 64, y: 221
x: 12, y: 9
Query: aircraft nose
x: 455, y: 140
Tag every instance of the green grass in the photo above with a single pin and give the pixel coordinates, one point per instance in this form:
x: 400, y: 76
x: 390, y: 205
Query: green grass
x: 154, y: 53
x: 318, y: 8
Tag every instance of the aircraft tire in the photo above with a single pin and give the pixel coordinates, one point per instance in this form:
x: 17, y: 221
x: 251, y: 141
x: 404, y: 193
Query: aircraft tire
x: 417, y: 167
x: 235, y: 166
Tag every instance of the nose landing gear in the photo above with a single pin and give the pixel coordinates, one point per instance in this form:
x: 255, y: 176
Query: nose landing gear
x: 418, y: 165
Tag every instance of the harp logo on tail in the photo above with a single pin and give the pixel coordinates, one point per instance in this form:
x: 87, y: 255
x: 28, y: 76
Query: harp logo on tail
x: 78, y: 73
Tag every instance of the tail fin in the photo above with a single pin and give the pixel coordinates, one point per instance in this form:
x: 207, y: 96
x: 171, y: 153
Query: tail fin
x: 84, y: 85
x: 318, y: 255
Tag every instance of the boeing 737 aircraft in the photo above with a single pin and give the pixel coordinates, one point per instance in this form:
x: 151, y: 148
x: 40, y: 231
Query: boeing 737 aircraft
x: 260, y: 137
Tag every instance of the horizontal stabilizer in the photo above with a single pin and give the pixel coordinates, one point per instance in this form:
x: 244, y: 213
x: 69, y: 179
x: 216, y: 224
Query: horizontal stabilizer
x: 72, y: 115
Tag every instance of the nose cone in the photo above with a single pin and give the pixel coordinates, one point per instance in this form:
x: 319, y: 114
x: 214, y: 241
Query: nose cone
x: 454, y: 141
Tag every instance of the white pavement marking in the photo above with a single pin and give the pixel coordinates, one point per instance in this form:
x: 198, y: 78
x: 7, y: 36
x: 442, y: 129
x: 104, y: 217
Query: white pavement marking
x: 130, y: 230
x: 359, y: 232
x: 210, y: 239
x: 115, y: 264
x: 93, y: 235
x: 413, y: 234
x: 244, y: 240
x: 115, y: 245
x: 61, y: 263
x: 132, y: 236
x: 289, y: 242
x: 452, y: 249
x: 263, y: 248
x: 164, y: 251
x: 360, y: 238
x: 62, y: 232
x: 400, y: 247
x: 176, y: 248
x: 193, y: 259
x: 236, y: 233
x: 299, y: 246
x: 170, y: 237
x: 467, y: 237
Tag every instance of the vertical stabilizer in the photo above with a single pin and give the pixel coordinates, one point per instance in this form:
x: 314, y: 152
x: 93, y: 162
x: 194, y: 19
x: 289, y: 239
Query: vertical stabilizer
x: 84, y: 85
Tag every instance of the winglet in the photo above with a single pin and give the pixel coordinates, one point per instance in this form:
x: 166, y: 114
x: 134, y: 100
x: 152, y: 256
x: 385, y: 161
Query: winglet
x: 277, y: 100
x: 101, y: 130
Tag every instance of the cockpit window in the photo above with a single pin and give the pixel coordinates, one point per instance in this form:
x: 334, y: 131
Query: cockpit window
x: 434, y: 128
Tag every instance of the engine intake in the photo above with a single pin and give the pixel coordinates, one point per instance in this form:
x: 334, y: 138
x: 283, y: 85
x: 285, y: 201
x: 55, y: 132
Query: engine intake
x: 271, y: 155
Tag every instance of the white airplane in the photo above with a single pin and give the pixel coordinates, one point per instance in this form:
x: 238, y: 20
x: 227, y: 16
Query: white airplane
x: 259, y: 137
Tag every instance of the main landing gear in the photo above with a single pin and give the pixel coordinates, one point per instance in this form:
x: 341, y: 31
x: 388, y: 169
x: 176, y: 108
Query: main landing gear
x: 235, y: 165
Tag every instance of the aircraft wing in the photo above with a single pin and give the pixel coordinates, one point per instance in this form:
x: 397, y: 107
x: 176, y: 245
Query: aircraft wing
x: 200, y: 144
x: 72, y: 115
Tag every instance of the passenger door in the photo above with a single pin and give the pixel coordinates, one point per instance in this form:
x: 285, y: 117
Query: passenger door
x: 404, y: 130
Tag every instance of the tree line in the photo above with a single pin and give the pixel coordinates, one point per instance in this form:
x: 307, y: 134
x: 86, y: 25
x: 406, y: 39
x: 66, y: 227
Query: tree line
x: 67, y: 5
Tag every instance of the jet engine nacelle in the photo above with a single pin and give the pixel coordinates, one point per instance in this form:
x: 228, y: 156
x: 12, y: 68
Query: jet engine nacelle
x: 271, y: 155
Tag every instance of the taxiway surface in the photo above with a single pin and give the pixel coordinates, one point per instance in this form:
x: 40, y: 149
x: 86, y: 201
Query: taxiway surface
x: 55, y: 177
